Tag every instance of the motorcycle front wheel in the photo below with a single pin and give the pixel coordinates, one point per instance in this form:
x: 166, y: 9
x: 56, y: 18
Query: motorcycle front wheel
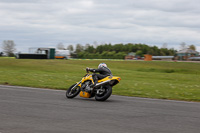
x: 71, y: 93
x: 105, y: 94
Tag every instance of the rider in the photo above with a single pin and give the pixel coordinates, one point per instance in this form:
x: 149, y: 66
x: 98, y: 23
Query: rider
x: 102, y: 69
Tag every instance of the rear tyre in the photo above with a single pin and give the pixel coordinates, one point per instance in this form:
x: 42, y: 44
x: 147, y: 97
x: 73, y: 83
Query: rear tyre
x: 104, y: 95
x: 72, y: 93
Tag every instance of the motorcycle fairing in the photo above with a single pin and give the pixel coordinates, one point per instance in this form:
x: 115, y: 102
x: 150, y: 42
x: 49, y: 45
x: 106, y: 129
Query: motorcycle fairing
x: 87, y: 78
x: 108, y: 78
x: 85, y: 94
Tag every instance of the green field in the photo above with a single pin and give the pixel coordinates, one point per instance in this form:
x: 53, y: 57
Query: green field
x: 154, y: 79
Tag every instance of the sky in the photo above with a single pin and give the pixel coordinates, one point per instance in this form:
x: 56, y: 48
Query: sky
x: 46, y: 23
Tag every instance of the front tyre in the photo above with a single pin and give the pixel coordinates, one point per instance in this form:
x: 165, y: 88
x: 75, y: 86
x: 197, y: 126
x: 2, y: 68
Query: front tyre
x: 71, y: 93
x: 104, y: 93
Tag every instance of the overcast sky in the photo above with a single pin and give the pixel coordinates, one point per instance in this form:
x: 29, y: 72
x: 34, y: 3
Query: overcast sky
x: 45, y: 23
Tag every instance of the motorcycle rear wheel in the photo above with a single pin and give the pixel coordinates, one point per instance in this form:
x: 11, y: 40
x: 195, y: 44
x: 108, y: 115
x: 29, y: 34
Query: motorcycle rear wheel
x: 72, y: 93
x: 105, y: 95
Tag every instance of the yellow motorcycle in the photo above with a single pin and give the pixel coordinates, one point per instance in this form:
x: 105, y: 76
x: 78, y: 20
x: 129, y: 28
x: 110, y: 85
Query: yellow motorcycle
x: 101, y: 91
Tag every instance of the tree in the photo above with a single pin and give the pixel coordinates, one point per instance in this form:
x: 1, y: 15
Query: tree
x: 86, y: 46
x: 60, y: 46
x: 140, y: 53
x: 164, y: 45
x: 183, y: 46
x: 79, y: 48
x: 70, y: 48
x: 95, y: 44
x: 90, y: 49
x: 1, y: 53
x: 192, y: 47
x: 155, y: 50
x: 9, y: 47
x: 99, y: 48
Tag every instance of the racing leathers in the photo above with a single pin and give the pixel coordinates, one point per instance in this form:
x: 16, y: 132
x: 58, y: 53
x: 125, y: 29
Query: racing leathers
x: 103, y: 72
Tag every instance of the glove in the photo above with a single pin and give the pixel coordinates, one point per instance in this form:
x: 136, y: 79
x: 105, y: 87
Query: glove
x: 87, y: 69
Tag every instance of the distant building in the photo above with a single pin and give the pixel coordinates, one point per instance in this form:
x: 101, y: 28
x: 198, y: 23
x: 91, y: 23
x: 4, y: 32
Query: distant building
x: 62, y: 54
x: 164, y: 58
x: 185, y: 54
x: 38, y: 53
x: 147, y: 57
x: 130, y: 56
x: 194, y: 59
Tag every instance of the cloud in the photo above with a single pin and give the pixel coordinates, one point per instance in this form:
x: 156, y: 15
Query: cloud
x: 47, y: 22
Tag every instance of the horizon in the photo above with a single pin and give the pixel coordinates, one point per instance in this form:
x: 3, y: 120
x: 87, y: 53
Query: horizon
x: 96, y: 45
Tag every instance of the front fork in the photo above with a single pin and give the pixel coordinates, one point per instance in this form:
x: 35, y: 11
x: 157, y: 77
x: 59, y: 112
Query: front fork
x: 76, y: 85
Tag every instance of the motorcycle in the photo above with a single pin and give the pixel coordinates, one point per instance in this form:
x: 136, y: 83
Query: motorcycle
x: 101, y: 91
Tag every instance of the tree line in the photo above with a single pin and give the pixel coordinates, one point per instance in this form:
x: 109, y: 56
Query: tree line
x: 119, y: 51
x: 105, y: 51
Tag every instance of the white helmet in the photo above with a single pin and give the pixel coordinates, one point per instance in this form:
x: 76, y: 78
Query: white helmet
x: 102, y: 65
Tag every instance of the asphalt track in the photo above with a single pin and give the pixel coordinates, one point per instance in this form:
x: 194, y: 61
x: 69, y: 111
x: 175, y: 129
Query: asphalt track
x: 33, y: 110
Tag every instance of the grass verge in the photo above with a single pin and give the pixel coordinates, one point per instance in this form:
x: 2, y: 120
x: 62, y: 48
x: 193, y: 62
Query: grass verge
x: 163, y: 80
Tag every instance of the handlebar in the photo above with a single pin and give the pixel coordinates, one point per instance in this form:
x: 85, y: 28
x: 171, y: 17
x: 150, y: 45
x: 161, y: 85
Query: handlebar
x: 87, y: 69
